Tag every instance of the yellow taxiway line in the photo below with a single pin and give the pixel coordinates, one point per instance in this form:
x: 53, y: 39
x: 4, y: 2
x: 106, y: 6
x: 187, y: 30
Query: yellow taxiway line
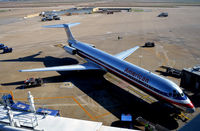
x: 146, y: 97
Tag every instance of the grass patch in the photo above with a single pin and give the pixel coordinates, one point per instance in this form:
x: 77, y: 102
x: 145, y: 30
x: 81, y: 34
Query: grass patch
x: 137, y: 10
x: 4, y: 10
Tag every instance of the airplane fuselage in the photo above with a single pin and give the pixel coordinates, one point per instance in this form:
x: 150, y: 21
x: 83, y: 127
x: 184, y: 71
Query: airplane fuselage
x: 148, y: 81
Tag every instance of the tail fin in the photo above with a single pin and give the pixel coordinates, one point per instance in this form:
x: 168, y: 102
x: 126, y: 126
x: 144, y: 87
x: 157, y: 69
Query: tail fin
x: 67, y: 29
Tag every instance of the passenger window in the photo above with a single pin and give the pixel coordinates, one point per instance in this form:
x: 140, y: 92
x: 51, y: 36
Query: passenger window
x: 170, y: 94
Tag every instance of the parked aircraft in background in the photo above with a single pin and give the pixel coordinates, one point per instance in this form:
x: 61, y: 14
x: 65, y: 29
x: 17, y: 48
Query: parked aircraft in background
x: 99, y: 60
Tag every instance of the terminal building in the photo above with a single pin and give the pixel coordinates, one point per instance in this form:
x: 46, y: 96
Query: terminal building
x: 191, y: 78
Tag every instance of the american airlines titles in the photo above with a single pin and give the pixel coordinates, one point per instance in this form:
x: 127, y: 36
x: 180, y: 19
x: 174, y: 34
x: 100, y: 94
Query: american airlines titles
x: 136, y: 75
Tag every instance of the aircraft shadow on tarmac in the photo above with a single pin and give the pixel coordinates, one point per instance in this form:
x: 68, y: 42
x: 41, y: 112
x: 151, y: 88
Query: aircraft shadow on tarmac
x: 194, y: 97
x: 48, y: 61
x: 110, y: 96
x: 166, y: 74
x: 113, y: 98
x: 118, y: 101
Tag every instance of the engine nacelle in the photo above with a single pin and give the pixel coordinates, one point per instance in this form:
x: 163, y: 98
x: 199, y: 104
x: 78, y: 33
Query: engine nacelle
x: 92, y: 45
x: 70, y: 50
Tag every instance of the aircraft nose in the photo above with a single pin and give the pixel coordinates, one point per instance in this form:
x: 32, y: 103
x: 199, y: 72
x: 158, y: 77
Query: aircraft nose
x: 190, y: 110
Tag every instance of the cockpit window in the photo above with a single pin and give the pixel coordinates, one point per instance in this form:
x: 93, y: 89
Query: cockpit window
x: 177, y: 94
x: 174, y: 95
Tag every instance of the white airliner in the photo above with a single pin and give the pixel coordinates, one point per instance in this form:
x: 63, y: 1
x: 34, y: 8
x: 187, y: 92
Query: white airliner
x: 99, y: 60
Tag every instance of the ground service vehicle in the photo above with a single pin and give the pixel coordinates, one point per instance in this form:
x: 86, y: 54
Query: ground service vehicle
x: 32, y: 82
x: 149, y: 44
x: 164, y: 14
x: 174, y: 72
x: 7, y: 50
x: 1, y: 46
x: 50, y: 17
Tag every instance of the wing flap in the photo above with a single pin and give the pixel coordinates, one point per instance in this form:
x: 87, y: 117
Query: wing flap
x: 125, y: 54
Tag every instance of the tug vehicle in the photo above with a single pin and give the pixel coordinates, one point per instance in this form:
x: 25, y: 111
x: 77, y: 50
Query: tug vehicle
x: 7, y: 50
x: 32, y: 82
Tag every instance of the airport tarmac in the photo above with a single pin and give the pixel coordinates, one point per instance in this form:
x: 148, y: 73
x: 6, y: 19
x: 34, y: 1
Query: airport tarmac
x: 94, y: 95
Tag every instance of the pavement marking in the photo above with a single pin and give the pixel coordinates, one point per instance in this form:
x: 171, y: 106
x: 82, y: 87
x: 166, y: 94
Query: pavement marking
x: 67, y: 85
x: 119, y: 82
x: 61, y: 97
x: 45, y: 98
x: 58, y: 97
x: 137, y: 92
x: 146, y: 97
x: 184, y: 115
x: 48, y: 105
x: 102, y: 115
x: 31, y: 16
x: 150, y: 100
x: 83, y: 108
x: 5, y: 91
x: 12, y: 94
x: 160, y: 52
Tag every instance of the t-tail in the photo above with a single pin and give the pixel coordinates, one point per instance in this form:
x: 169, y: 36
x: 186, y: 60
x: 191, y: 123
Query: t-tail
x: 67, y: 29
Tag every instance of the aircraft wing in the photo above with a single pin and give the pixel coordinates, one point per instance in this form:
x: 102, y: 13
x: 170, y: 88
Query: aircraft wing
x: 126, y: 53
x: 85, y: 66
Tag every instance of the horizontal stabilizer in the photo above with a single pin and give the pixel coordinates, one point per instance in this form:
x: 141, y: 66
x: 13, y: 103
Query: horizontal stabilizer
x: 66, y: 27
x: 85, y: 66
x: 126, y: 53
x: 61, y: 25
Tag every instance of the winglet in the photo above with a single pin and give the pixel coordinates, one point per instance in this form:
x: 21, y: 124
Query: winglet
x: 67, y: 28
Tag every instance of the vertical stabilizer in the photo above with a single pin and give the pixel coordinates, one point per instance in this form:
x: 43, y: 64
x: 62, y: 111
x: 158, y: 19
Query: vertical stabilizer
x: 67, y: 29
